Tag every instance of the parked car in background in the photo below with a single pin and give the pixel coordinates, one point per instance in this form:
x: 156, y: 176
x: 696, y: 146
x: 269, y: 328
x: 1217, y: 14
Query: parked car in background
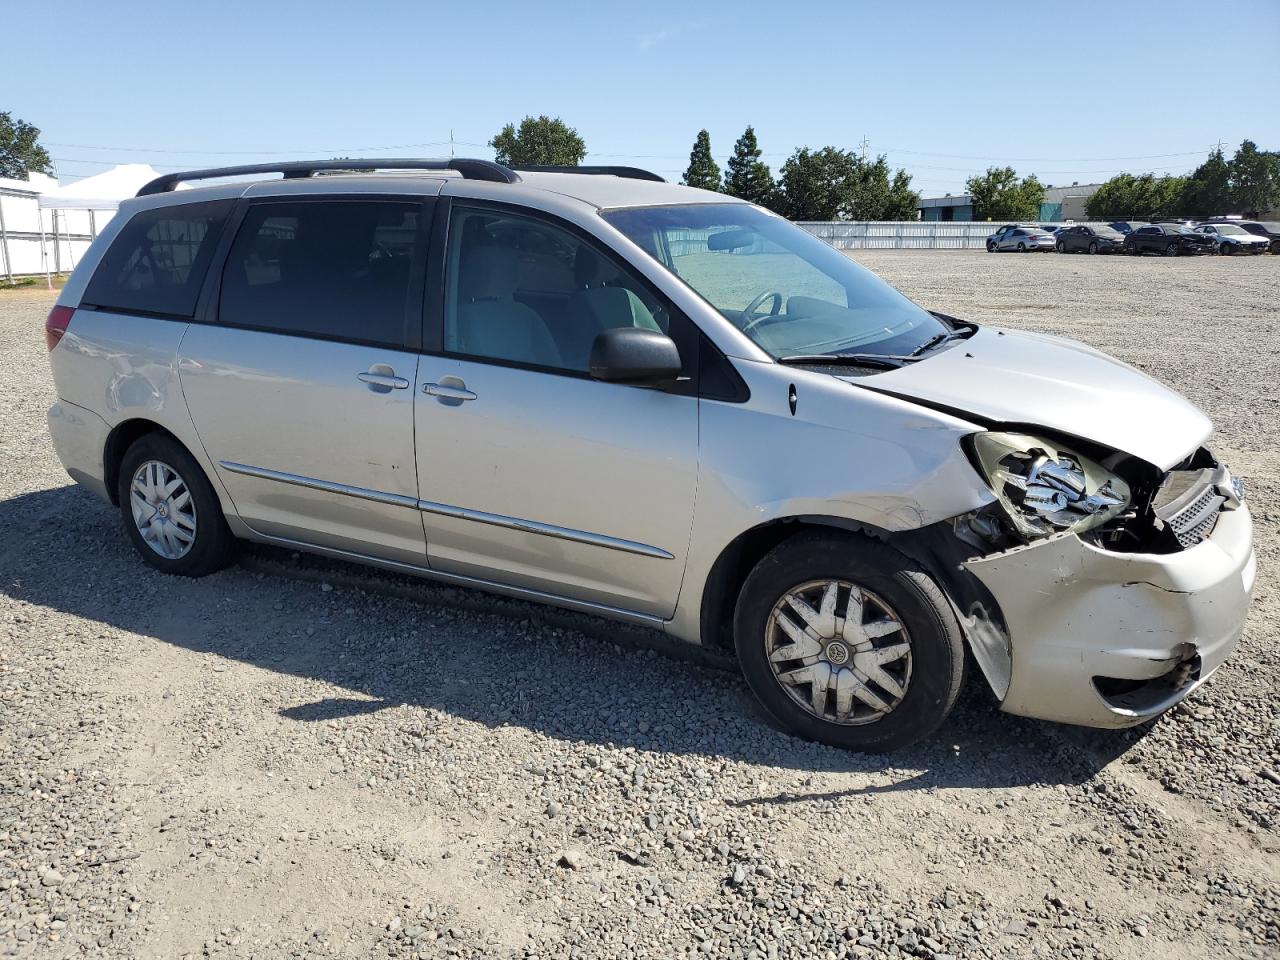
x: 993, y: 241
x: 1023, y: 240
x: 1233, y: 238
x: 1126, y: 226
x: 420, y: 370
x: 1261, y: 228
x: 1169, y: 239
x: 1087, y: 239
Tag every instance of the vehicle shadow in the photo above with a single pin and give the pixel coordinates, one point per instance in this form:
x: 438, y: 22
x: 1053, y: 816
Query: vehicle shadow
x: 387, y: 640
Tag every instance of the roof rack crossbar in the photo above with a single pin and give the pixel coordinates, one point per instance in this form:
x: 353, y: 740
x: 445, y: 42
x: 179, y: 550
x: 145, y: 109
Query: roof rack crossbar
x: 631, y: 173
x: 301, y: 169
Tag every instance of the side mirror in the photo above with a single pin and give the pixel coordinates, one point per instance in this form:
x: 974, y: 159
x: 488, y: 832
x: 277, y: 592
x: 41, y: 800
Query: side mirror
x: 633, y: 355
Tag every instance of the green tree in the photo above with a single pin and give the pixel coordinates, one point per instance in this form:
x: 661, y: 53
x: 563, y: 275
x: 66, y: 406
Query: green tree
x: 1144, y: 197
x: 819, y: 184
x: 539, y: 140
x: 998, y: 194
x: 1209, y: 188
x: 748, y: 177
x: 20, y: 150
x: 876, y: 196
x: 703, y: 172
x: 1255, y: 180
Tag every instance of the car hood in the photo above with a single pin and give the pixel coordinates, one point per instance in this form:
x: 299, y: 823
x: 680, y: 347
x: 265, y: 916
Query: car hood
x: 1008, y: 377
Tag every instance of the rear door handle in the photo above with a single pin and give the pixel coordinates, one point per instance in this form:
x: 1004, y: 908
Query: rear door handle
x: 455, y: 392
x: 382, y: 378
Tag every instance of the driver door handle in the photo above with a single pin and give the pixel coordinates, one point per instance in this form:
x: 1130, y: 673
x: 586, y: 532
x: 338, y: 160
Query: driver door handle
x: 386, y: 381
x: 447, y: 391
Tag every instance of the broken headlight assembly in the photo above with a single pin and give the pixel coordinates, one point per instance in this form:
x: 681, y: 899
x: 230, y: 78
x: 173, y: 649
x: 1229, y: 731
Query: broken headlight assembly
x: 1043, y: 488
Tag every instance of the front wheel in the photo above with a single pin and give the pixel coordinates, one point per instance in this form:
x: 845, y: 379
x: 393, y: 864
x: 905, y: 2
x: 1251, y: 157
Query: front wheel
x: 1060, y: 247
x: 1171, y: 250
x: 170, y: 511
x: 1225, y: 249
x: 847, y: 642
x: 1093, y: 247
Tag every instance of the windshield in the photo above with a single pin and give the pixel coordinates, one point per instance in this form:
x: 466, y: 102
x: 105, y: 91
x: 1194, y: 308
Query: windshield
x: 781, y: 286
x: 1230, y: 229
x: 1107, y: 232
x: 1271, y: 226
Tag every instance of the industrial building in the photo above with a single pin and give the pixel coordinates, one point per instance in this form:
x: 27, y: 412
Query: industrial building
x: 1060, y: 204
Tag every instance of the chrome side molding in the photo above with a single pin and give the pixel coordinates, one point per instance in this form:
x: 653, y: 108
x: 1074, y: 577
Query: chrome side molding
x: 446, y: 510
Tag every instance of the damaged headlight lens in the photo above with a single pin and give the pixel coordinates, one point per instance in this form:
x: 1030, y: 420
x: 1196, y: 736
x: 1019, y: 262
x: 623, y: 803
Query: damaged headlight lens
x: 1046, y: 488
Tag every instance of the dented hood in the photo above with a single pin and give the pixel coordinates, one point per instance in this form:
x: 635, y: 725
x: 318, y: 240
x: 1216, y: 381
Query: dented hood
x: 1038, y: 380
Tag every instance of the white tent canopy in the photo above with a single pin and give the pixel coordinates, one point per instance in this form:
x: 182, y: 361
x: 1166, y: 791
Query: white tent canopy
x: 103, y: 191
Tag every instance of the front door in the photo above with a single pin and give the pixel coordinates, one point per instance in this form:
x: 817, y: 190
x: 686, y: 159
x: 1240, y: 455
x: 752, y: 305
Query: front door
x: 302, y: 390
x: 530, y: 472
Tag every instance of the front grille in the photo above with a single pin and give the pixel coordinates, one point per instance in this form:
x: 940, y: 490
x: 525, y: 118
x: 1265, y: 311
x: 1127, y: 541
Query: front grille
x: 1189, y: 503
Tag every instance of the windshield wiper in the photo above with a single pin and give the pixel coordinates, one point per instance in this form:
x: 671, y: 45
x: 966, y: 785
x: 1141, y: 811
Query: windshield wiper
x: 887, y: 360
x: 939, y: 339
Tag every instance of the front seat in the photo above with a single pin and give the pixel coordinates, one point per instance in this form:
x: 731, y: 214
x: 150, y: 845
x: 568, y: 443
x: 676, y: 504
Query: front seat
x: 490, y: 321
x: 595, y: 308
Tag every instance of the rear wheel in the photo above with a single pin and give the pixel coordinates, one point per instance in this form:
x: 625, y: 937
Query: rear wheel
x: 170, y: 511
x: 991, y: 247
x: 847, y: 642
x: 1022, y: 247
x: 1093, y: 246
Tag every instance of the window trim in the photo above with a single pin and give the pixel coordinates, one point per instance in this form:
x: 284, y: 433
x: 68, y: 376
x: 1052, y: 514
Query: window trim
x: 214, y: 259
x: 209, y: 306
x: 690, y: 340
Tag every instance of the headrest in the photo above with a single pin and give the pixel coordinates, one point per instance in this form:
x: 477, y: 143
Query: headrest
x: 489, y: 273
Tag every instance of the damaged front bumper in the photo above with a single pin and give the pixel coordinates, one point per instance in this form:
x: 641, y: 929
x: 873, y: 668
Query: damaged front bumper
x: 1110, y: 639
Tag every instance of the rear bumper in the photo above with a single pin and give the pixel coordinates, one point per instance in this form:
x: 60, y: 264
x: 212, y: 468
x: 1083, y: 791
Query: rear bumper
x: 80, y: 439
x: 1108, y: 639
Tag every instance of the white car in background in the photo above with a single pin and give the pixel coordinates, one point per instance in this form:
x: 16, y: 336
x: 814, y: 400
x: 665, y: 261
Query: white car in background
x: 1021, y: 239
x: 1233, y: 238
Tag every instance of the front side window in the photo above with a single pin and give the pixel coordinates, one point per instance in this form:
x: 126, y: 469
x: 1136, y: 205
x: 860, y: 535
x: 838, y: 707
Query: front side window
x: 781, y: 286
x: 157, y: 263
x: 525, y: 291
x: 329, y: 269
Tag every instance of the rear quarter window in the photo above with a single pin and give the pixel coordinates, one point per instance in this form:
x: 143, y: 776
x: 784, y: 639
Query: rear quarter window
x: 158, y: 261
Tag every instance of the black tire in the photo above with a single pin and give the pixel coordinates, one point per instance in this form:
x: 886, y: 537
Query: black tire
x: 1022, y: 247
x: 937, y: 663
x: 991, y: 247
x: 1093, y: 246
x: 213, y: 545
x: 1060, y: 247
x: 1172, y: 250
x: 1225, y: 249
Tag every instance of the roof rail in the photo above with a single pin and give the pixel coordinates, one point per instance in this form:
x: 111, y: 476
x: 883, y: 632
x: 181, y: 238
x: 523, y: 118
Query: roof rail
x: 631, y: 173
x: 301, y: 169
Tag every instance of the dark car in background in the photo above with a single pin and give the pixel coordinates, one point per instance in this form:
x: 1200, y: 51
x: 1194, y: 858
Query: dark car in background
x: 1126, y: 226
x: 1081, y: 238
x: 1168, y: 239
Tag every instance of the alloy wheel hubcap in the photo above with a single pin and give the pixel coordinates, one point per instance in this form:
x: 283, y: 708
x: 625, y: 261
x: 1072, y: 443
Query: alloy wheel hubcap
x: 163, y: 510
x: 839, y: 651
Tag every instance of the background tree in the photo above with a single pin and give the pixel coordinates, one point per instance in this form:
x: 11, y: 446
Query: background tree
x: 539, y: 140
x: 877, y: 197
x: 998, y: 194
x: 819, y: 184
x: 1145, y: 197
x: 20, y: 150
x: 703, y: 172
x: 748, y: 177
x: 1209, y: 188
x: 1254, y: 180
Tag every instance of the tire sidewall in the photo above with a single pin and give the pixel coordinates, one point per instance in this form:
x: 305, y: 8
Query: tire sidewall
x: 212, y: 547
x: 936, y: 646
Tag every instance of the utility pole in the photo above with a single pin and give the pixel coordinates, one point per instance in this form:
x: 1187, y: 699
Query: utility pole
x: 451, y: 143
x: 863, y: 144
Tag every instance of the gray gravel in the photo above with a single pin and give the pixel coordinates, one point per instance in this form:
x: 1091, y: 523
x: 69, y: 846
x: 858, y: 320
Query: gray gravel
x: 298, y: 758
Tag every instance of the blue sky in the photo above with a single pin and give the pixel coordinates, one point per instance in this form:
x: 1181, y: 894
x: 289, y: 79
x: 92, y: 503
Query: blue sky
x: 1071, y: 91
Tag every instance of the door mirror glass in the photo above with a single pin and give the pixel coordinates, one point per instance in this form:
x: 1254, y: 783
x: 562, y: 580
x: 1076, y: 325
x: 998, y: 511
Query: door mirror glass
x: 634, y: 355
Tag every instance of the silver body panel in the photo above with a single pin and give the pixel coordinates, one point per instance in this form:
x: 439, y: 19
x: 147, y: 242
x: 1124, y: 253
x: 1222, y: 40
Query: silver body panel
x: 619, y: 500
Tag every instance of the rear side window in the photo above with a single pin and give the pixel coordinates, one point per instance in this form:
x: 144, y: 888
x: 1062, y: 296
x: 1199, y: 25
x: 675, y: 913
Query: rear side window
x: 158, y: 261
x: 333, y: 269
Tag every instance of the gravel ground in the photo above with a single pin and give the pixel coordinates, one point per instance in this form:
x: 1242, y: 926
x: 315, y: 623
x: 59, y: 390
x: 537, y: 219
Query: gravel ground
x: 298, y: 758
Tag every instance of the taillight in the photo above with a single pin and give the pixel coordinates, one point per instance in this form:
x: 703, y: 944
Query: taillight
x: 56, y: 325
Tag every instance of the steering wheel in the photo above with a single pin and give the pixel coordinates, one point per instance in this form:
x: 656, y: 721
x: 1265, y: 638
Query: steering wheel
x: 749, y: 311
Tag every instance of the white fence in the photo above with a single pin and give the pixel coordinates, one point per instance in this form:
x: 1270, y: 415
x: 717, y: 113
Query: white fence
x: 67, y: 234
x: 904, y: 234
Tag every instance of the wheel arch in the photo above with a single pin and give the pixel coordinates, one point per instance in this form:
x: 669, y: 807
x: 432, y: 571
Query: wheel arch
x: 122, y: 436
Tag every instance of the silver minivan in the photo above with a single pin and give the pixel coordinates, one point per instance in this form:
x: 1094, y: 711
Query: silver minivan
x: 591, y: 388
